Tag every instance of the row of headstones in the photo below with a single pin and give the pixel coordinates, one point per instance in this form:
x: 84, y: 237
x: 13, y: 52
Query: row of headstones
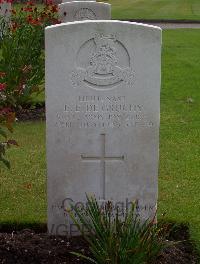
x: 102, y: 103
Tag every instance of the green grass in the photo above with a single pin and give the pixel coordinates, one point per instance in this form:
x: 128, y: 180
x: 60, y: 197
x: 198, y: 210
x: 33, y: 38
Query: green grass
x: 180, y: 129
x: 23, y: 189
x: 155, y: 9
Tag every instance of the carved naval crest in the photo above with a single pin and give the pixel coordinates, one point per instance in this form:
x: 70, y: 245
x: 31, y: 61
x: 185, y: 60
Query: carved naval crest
x: 106, y: 66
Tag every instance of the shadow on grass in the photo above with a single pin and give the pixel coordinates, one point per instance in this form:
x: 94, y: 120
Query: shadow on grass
x: 175, y: 231
x: 9, y: 227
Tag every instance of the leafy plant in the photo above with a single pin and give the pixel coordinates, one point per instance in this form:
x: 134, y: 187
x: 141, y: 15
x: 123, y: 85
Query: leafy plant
x: 21, y: 63
x: 114, y: 239
x: 7, y: 118
x: 22, y: 52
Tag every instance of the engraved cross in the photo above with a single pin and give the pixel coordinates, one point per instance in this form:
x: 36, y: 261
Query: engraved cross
x: 103, y: 159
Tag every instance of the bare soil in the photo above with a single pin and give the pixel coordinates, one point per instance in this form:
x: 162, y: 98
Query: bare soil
x: 30, y: 247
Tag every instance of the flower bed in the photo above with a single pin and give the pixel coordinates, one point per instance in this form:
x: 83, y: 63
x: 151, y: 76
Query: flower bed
x: 21, y: 62
x: 29, y: 246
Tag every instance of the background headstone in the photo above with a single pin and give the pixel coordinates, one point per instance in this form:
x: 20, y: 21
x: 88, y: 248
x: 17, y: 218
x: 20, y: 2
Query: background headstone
x: 102, y: 101
x: 5, y: 10
x: 64, y: 1
x: 5, y: 13
x: 84, y: 10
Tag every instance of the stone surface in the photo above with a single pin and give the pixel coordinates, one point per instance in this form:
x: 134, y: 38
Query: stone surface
x: 84, y: 10
x: 5, y: 13
x: 5, y: 10
x: 64, y: 1
x: 102, y: 102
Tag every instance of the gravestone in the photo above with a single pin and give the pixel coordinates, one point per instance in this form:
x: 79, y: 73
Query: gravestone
x: 83, y: 10
x: 64, y: 1
x: 5, y: 10
x: 5, y: 13
x: 102, y: 103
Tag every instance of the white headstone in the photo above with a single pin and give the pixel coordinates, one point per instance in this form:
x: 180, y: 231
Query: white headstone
x: 85, y: 10
x: 64, y: 1
x: 102, y: 101
x: 5, y: 10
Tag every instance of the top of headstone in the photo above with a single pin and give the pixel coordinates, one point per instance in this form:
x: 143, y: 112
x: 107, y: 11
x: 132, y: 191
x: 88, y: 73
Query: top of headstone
x: 104, y: 21
x: 64, y: 1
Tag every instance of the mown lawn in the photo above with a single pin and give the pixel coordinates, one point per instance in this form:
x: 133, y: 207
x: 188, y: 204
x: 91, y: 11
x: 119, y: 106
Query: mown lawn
x: 23, y: 188
x: 179, y: 194
x: 155, y: 9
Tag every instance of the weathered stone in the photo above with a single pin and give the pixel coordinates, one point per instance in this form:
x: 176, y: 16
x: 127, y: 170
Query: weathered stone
x: 85, y: 10
x: 5, y: 10
x: 103, y: 96
x: 65, y: 1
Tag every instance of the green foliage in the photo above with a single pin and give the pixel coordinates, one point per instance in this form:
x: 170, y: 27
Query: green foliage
x: 22, y: 53
x: 7, y: 118
x: 21, y: 63
x: 115, y: 239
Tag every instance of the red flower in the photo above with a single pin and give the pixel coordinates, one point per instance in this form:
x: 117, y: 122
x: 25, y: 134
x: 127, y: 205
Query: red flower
x: 28, y: 9
x: 49, y: 2
x: 5, y: 111
x: 54, y: 9
x: 29, y: 18
x: 30, y: 3
x: 35, y: 22
x: 2, y: 86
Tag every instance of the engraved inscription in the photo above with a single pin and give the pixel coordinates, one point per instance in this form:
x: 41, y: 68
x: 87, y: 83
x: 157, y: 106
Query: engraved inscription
x: 104, y: 69
x: 103, y: 112
x: 102, y: 158
x: 84, y: 14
